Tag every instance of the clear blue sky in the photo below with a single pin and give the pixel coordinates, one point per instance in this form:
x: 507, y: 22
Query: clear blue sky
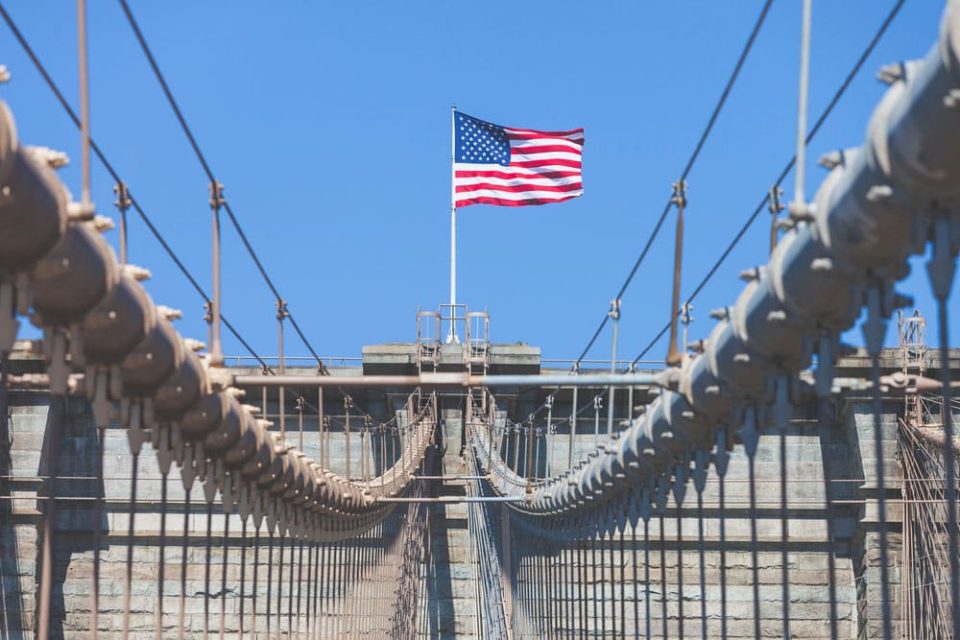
x: 328, y: 123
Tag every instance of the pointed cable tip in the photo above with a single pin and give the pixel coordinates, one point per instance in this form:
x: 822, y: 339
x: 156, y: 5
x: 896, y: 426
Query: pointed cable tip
x: 136, y: 272
x: 832, y: 160
x: 892, y: 73
x: 720, y: 314
x: 194, y: 345
x: 53, y: 158
x: 103, y: 224
x: 80, y: 212
x: 235, y: 392
x: 169, y: 313
x: 801, y: 211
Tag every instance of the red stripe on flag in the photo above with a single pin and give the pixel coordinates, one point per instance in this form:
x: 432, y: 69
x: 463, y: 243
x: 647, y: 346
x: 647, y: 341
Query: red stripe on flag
x: 510, y: 203
x: 533, y: 133
x: 545, y: 148
x: 518, y: 175
x: 576, y: 164
x: 519, y: 188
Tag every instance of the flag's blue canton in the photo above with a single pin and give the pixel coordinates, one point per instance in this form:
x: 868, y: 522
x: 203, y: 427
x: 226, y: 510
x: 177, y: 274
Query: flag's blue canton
x: 480, y: 142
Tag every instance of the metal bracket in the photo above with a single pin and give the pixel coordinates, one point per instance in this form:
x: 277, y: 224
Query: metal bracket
x: 216, y: 195
x: 679, y: 197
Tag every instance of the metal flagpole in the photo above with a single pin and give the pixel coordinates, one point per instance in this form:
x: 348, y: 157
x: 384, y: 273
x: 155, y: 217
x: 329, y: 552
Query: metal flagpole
x: 452, y: 337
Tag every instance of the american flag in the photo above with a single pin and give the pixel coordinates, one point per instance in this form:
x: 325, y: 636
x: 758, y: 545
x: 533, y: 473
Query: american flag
x: 512, y: 167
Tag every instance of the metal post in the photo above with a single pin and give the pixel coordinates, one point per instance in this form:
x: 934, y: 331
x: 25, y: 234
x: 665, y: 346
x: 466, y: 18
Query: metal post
x: 546, y: 437
x: 782, y: 417
x: 573, y: 427
x: 128, y: 573
x: 300, y: 401
x: 648, y: 614
x: 55, y: 422
x: 224, y: 557
x: 536, y: 447
x: 468, y: 425
x: 216, y: 347
x: 322, y: 433
x: 267, y: 608
x: 346, y: 434
x: 49, y: 522
x: 720, y: 459
x: 402, y: 436
x: 282, y: 362
x: 311, y: 588
x: 453, y: 225
x: 181, y: 608
x: 597, y: 405
x: 206, y: 567
x: 775, y: 207
x: 84, y: 100
x: 383, y: 455
x: 161, y: 557
x: 280, y: 565
x: 507, y: 575
x: 122, y: 203
x: 529, y: 452
x: 799, y: 198
x: 686, y: 318
x: 516, y: 448
x: 614, y: 314
x: 364, y: 446
x: 98, y: 512
x: 674, y: 357
x: 491, y: 414
x: 664, y: 609
x: 243, y: 576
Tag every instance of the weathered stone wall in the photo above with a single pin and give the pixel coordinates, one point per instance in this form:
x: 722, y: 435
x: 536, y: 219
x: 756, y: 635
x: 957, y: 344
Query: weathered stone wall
x: 361, y: 568
x: 842, y: 452
x: 808, y: 570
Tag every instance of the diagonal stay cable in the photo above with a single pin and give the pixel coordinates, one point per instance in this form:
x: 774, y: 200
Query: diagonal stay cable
x: 688, y: 167
x: 210, y: 176
x: 115, y: 176
x: 821, y: 120
x: 25, y: 45
x: 134, y: 25
x: 838, y: 94
x: 691, y: 161
x: 841, y: 90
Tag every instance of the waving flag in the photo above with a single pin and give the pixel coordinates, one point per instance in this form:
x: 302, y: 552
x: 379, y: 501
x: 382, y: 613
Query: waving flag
x: 512, y: 167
